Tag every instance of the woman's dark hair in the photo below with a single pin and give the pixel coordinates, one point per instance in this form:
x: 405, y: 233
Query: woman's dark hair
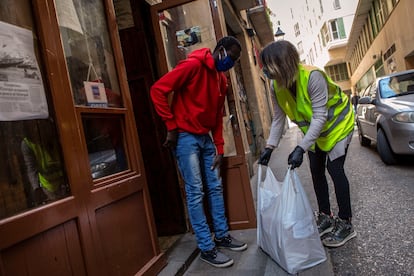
x: 227, y: 42
x: 281, y: 61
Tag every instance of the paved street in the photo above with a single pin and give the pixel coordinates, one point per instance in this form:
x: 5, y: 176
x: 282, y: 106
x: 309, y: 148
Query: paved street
x: 383, y: 201
x: 254, y: 261
x: 383, y: 204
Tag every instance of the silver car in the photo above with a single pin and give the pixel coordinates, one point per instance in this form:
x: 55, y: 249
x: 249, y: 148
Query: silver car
x: 385, y: 115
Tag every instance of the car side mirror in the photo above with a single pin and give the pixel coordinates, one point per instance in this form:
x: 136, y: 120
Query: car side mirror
x: 365, y: 100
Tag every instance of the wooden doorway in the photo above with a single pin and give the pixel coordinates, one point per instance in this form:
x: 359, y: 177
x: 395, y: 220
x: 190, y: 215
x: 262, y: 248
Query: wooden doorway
x: 171, y: 20
x: 103, y: 224
x: 163, y: 182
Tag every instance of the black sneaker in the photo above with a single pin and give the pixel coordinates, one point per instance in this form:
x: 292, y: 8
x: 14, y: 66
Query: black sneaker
x: 216, y: 258
x: 343, y: 231
x: 230, y: 243
x: 325, y: 223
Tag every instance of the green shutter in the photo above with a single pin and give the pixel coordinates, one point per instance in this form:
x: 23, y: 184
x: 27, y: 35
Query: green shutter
x: 341, y: 28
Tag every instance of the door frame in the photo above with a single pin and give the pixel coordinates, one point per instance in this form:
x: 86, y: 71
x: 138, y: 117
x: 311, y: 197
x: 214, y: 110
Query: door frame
x: 237, y: 191
x: 74, y: 228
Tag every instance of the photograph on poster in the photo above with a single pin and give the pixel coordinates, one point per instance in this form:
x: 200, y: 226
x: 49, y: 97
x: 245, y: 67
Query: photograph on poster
x: 22, y: 95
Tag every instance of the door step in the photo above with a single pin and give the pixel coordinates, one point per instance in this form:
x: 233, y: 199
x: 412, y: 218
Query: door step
x: 180, y: 256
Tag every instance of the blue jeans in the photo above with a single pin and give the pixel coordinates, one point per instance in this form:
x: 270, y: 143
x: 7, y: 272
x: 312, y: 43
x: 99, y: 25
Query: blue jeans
x: 195, y: 155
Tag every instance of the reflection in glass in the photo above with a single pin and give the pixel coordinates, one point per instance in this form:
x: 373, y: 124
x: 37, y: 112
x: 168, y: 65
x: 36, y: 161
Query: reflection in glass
x: 88, y: 49
x: 188, y: 37
x: 185, y: 28
x: 398, y: 85
x: 104, y: 139
x: 32, y: 170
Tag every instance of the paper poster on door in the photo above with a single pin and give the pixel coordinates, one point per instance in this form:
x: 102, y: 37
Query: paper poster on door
x: 95, y: 94
x: 22, y: 95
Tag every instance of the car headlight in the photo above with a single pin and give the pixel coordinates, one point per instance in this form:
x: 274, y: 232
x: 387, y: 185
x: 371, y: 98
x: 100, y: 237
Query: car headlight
x: 404, y: 117
x: 99, y: 167
x: 97, y: 170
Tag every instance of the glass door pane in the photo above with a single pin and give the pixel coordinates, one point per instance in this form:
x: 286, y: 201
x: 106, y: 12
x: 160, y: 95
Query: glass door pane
x: 32, y: 171
x: 105, y: 143
x: 185, y: 28
x: 88, y: 52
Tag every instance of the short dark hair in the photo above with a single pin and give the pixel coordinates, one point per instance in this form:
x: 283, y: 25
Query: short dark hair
x: 227, y: 42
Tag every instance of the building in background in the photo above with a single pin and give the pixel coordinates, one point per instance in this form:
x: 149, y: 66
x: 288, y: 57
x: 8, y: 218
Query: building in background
x: 381, y: 41
x: 320, y: 29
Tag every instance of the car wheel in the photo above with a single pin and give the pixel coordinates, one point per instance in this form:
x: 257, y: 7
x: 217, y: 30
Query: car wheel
x: 365, y: 142
x: 384, y: 149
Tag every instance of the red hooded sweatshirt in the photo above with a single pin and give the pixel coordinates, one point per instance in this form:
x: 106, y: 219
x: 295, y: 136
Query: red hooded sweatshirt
x: 198, y: 100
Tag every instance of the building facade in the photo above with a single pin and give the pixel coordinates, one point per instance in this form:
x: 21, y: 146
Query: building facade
x: 381, y: 41
x: 320, y: 30
x: 86, y: 187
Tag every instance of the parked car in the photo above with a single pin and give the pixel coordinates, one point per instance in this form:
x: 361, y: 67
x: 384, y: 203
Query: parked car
x: 103, y: 163
x: 385, y: 115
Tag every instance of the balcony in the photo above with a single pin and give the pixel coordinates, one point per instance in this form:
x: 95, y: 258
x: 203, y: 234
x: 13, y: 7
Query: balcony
x: 333, y: 44
x: 244, y: 4
x: 261, y: 24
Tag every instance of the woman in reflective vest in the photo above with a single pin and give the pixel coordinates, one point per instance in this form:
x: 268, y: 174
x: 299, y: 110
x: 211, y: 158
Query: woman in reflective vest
x: 339, y: 121
x: 324, y: 114
x: 44, y: 169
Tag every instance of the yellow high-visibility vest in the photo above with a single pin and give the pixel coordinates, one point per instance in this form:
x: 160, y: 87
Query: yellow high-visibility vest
x: 340, y: 121
x: 49, y: 169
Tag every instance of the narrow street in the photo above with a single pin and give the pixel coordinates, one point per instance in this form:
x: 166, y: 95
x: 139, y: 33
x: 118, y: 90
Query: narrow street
x: 383, y: 202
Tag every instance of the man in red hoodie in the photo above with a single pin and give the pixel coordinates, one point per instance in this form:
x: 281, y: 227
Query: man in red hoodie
x: 196, y: 111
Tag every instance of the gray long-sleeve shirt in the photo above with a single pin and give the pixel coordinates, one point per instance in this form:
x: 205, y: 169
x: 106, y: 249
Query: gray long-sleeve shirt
x: 318, y: 92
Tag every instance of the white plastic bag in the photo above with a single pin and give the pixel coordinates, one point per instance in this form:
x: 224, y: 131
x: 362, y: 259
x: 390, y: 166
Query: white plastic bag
x: 286, y: 229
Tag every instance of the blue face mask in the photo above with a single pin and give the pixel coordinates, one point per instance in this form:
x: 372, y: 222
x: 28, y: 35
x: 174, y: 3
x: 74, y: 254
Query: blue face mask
x: 224, y: 64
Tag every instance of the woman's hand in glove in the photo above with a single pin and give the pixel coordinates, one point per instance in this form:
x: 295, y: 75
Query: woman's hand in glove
x: 295, y: 159
x: 265, y: 156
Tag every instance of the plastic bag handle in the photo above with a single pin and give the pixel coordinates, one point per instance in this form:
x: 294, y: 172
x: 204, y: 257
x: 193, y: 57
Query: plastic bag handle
x: 292, y: 176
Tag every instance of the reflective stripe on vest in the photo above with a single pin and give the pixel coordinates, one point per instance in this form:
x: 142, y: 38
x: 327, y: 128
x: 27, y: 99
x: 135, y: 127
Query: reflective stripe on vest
x: 49, y: 170
x: 340, y: 118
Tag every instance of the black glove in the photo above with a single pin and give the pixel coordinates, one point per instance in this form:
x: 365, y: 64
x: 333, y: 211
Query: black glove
x: 171, y: 140
x: 265, y: 156
x: 295, y: 159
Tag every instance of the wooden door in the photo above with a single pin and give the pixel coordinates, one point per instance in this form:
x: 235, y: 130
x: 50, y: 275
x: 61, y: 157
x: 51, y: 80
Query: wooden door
x: 103, y: 224
x: 171, y: 20
x: 237, y: 189
x: 139, y: 52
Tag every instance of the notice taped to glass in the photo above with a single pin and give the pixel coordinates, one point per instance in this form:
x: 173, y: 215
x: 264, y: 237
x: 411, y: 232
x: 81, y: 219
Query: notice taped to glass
x: 22, y: 94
